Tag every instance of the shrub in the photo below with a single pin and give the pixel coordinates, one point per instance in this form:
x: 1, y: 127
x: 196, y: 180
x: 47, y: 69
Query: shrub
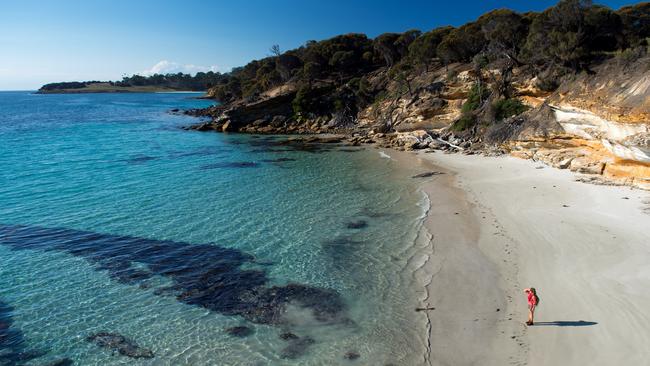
x: 464, y: 122
x: 476, y: 96
x: 303, y: 103
x: 504, y: 108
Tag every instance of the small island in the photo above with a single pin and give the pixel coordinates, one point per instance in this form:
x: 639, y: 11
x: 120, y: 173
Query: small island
x: 155, y: 83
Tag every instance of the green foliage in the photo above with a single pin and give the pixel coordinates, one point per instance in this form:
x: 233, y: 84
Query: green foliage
x: 461, y: 44
x: 343, y: 60
x: 465, y: 122
x: 301, y: 103
x: 423, y: 49
x: 635, y: 21
x: 201, y: 81
x: 504, y: 108
x: 385, y: 45
x: 475, y: 98
x: 505, y: 32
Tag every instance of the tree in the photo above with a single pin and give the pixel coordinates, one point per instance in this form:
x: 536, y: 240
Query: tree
x: 286, y: 63
x: 559, y: 35
x: 403, y: 42
x: 635, y: 21
x: 461, y: 44
x: 505, y: 32
x: 384, y: 44
x: 423, y: 49
x: 311, y: 71
x: 275, y: 50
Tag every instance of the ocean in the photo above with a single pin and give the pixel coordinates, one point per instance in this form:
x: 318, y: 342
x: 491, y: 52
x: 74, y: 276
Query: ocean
x: 125, y: 239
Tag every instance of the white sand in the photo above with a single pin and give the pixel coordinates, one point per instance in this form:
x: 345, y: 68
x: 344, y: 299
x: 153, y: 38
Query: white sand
x: 590, y: 261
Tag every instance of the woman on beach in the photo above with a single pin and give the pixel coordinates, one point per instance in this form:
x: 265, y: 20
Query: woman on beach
x: 533, y: 300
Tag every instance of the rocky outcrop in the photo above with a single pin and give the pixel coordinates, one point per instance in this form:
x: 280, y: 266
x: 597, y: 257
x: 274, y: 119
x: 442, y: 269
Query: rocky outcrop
x: 121, y: 344
x: 596, y: 123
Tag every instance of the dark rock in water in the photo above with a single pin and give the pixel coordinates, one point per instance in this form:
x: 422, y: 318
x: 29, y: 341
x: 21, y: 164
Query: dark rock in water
x: 297, y: 348
x: 205, y: 275
x: 278, y: 160
x: 121, y: 344
x: 61, y: 362
x: 351, y: 355
x: 358, y: 224
x: 175, y: 110
x: 140, y: 159
x: 288, y: 336
x: 427, y: 174
x: 241, y: 164
x: 240, y: 331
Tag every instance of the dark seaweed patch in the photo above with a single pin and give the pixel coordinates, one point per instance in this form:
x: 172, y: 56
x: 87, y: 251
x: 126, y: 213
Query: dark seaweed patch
x: 278, y: 160
x: 12, y: 342
x: 427, y: 174
x: 203, y: 275
x: 140, y: 159
x: 296, y: 348
x: 373, y: 214
x: 121, y: 344
x: 240, y: 331
x: 356, y: 224
x: 279, y: 145
x: 204, y: 151
x: 288, y: 336
x: 341, y: 248
x: 61, y: 362
x: 236, y: 164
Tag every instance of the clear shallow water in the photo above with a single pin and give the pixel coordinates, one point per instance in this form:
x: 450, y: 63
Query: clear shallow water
x: 112, y: 219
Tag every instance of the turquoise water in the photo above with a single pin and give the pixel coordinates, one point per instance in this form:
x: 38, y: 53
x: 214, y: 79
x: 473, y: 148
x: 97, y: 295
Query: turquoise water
x: 113, y: 219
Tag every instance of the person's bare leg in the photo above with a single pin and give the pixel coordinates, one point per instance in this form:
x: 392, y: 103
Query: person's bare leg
x: 532, y: 315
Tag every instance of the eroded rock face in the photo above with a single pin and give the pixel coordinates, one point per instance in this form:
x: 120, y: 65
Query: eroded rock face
x: 121, y: 344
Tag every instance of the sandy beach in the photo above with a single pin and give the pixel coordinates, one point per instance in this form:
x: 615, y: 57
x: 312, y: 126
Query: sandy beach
x: 499, y: 225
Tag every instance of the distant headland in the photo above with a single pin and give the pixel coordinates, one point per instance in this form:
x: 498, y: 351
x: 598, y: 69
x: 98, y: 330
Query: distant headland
x: 202, y: 81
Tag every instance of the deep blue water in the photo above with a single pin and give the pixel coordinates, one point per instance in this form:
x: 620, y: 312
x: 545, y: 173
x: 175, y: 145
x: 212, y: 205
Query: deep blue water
x: 113, y: 219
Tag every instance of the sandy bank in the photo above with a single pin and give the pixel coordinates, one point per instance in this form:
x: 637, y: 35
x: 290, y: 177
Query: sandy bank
x: 500, y: 225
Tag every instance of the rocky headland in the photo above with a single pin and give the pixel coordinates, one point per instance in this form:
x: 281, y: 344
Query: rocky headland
x: 478, y: 91
x: 597, y: 124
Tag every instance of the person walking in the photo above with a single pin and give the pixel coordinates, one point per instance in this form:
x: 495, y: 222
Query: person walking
x: 533, y: 301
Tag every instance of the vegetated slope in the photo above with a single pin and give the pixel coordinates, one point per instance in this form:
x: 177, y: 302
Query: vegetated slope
x: 506, y: 82
x: 158, y: 82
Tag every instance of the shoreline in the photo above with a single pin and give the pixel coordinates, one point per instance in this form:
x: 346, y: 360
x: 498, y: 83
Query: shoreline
x: 525, y: 226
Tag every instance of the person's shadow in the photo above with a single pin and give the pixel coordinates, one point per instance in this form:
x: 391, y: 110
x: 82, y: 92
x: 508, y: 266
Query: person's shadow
x: 566, y: 323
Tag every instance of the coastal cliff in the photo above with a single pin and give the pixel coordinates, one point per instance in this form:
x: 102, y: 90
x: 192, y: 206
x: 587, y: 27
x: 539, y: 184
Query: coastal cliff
x: 506, y: 83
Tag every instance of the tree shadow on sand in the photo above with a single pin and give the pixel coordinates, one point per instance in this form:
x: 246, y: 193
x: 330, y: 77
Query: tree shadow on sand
x: 566, y: 323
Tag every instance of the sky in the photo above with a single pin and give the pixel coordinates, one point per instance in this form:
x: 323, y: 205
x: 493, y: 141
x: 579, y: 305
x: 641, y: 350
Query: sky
x: 45, y: 41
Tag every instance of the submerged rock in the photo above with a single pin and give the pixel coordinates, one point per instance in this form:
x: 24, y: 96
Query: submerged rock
x: 427, y: 174
x: 61, y: 362
x: 121, y: 344
x: 287, y: 336
x: 351, y: 355
x: 238, y: 164
x: 297, y: 348
x: 358, y: 224
x: 240, y: 331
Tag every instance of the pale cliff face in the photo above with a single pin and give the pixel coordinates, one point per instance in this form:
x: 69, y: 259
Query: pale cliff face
x: 597, y: 123
x: 605, y: 120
